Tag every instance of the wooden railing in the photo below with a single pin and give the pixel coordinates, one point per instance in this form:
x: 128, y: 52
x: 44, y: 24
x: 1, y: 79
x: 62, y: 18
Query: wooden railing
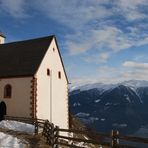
x: 111, y: 140
x: 38, y: 123
x: 56, y: 136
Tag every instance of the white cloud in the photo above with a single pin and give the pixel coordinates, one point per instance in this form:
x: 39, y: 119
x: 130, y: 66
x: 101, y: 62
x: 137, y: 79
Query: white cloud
x: 110, y: 36
x: 116, y: 75
x: 15, y: 8
x: 73, y: 14
x: 106, y: 37
x: 143, y: 42
x: 90, y: 21
x: 77, y: 81
x: 134, y: 70
x: 104, y: 56
x: 93, y: 28
x: 97, y: 58
x: 130, y: 9
x: 134, y: 74
x: 107, y: 74
x: 137, y: 65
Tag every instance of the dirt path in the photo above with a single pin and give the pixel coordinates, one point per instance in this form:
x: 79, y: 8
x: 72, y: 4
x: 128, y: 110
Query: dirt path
x: 31, y: 141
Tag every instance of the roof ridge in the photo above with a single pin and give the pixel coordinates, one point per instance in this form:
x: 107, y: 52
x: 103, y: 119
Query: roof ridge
x: 33, y: 39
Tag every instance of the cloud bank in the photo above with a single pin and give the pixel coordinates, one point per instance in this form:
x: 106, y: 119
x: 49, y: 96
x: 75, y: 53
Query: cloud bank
x: 95, y: 30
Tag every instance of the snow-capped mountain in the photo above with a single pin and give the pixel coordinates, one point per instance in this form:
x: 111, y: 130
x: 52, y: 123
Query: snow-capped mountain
x: 135, y: 83
x: 102, y: 86
x: 99, y: 86
x: 104, y: 107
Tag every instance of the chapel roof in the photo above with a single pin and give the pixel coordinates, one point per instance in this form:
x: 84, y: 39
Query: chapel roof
x: 23, y: 58
x: 1, y: 34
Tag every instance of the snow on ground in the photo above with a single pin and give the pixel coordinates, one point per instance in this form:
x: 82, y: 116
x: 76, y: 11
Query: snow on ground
x: 102, y: 119
x: 76, y: 104
x: 119, y: 125
x: 82, y: 114
x: 17, y: 126
x: 98, y: 100
x: 8, y: 141
x: 127, y: 98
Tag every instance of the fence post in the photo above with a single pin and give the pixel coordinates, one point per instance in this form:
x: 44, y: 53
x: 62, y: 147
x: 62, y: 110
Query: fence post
x: 56, y: 134
x: 36, y: 126
x: 45, y: 131
x: 52, y: 136
x: 115, y: 140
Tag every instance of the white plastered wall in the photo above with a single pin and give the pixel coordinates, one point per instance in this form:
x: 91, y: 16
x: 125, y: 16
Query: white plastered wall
x: 19, y: 103
x: 52, y: 93
x: 2, y: 40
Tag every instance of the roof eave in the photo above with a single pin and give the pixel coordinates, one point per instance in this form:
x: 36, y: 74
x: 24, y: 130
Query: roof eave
x: 61, y: 59
x: 19, y: 76
x: 2, y: 35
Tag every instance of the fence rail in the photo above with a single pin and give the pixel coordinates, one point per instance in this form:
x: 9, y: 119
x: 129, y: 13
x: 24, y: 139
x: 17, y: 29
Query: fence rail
x: 54, y: 135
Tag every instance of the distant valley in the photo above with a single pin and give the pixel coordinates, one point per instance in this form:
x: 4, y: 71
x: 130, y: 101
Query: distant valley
x: 103, y: 107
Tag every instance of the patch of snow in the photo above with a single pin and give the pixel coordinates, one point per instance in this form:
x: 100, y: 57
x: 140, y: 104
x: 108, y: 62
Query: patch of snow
x: 82, y: 114
x: 8, y: 141
x: 71, y: 88
x: 119, y: 125
x: 93, y: 119
x: 102, y: 119
x: 86, y: 137
x: 134, y: 84
x: 17, y: 126
x: 82, y: 144
x: 106, y: 107
x: 108, y: 103
x: 97, y: 101
x: 76, y: 104
x: 127, y: 98
x: 86, y: 121
x: 135, y: 91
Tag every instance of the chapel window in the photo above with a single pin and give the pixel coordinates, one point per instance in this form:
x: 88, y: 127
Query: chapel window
x: 48, y: 72
x: 7, y: 91
x: 59, y: 75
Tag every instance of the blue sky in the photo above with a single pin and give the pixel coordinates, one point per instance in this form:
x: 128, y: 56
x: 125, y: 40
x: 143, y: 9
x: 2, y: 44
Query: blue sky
x: 100, y: 40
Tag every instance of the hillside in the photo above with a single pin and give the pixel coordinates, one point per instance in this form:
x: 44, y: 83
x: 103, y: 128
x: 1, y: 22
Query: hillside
x: 103, y: 107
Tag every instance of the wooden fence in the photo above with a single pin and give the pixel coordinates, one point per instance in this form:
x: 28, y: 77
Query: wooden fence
x: 113, y: 140
x: 38, y: 123
x: 55, y: 136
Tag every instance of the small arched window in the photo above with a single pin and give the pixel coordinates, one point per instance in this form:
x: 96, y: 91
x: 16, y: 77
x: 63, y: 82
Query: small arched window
x: 7, y: 91
x: 59, y: 75
x: 48, y: 72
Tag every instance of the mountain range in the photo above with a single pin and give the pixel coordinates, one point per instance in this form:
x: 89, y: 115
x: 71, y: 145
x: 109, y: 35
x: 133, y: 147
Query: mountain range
x: 103, y: 107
